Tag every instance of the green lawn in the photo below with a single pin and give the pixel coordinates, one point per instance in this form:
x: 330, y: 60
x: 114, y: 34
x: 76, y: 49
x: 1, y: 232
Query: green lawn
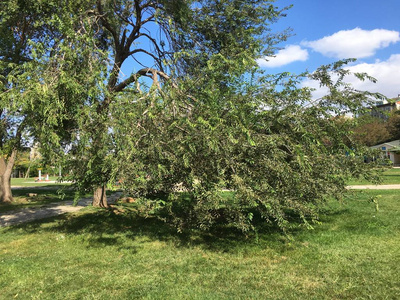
x: 31, y: 182
x: 391, y: 176
x: 95, y: 254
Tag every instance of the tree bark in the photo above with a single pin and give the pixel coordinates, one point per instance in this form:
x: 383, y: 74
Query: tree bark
x: 27, y: 172
x: 6, y: 167
x: 100, y: 197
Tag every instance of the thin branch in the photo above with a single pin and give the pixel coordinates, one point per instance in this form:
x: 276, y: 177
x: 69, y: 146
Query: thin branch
x: 149, y: 72
x: 139, y: 62
x: 157, y: 59
x: 154, y: 42
x: 136, y: 27
x: 107, y: 25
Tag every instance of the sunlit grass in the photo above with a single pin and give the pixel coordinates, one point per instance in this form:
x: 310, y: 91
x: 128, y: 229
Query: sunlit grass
x: 391, y: 176
x: 97, y: 254
x: 33, y: 182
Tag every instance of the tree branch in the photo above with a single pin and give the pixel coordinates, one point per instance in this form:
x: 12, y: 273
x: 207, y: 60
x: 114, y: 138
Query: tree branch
x: 149, y: 72
x: 107, y: 25
x: 156, y: 59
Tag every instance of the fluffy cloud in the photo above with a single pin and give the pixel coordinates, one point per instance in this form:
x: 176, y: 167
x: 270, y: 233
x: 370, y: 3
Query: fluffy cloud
x: 355, y: 43
x: 386, y: 72
x: 285, y: 56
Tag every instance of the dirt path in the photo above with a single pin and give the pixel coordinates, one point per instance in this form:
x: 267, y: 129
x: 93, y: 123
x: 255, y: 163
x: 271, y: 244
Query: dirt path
x: 30, y: 214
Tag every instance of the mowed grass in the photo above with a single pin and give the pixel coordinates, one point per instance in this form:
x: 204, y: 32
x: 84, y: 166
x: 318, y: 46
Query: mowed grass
x: 98, y: 254
x: 391, y: 176
x: 31, y: 182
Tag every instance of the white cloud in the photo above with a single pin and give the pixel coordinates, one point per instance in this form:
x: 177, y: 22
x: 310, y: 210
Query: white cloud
x: 355, y: 43
x: 285, y: 56
x: 386, y: 72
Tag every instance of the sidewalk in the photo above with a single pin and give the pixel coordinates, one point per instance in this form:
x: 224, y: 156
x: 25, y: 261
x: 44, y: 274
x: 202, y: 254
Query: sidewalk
x: 375, y: 187
x: 30, y: 214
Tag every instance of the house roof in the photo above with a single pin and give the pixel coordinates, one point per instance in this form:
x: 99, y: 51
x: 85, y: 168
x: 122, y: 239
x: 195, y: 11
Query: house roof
x: 389, y: 145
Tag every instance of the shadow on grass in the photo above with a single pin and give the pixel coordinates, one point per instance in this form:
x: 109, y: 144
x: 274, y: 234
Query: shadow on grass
x: 22, y: 191
x: 101, y: 228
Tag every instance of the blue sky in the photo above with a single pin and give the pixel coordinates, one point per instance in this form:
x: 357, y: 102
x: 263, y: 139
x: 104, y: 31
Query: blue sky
x: 328, y: 30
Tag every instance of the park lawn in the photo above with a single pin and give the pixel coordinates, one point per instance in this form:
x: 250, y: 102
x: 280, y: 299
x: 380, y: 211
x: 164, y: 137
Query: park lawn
x: 98, y: 254
x: 31, y: 182
x: 390, y: 176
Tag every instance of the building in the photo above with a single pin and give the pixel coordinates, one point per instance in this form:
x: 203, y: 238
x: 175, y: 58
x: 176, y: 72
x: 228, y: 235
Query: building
x: 382, y: 110
x: 391, y: 150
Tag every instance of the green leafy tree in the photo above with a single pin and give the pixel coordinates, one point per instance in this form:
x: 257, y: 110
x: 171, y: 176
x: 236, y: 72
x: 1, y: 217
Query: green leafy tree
x: 34, y: 37
x: 203, y: 120
x: 18, y: 26
x: 173, y: 43
x: 371, y: 131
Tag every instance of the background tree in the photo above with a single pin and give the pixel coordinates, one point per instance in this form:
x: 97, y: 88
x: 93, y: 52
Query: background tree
x: 393, y: 125
x: 371, y: 131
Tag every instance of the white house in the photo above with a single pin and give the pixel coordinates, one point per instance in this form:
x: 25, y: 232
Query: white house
x: 391, y: 150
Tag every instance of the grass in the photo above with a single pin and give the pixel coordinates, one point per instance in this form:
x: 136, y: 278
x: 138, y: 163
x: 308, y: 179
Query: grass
x: 391, y: 176
x: 31, y: 182
x: 97, y: 254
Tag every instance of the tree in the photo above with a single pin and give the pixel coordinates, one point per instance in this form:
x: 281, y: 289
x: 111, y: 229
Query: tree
x: 17, y: 29
x: 32, y: 35
x: 371, y: 131
x: 204, y: 120
x: 172, y: 42
x: 393, y: 125
x: 280, y: 152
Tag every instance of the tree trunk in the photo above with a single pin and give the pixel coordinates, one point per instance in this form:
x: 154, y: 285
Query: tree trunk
x: 5, y: 177
x: 27, y: 172
x: 100, y: 197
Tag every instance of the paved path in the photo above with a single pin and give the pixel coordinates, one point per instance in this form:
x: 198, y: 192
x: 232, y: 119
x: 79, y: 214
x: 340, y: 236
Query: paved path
x: 375, y: 187
x: 30, y: 214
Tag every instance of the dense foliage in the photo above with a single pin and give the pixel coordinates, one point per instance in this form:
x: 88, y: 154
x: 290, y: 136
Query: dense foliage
x: 282, y: 154
x: 42, y: 58
x: 22, y: 24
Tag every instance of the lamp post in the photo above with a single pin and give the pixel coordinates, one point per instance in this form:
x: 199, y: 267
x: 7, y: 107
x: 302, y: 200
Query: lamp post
x: 40, y: 173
